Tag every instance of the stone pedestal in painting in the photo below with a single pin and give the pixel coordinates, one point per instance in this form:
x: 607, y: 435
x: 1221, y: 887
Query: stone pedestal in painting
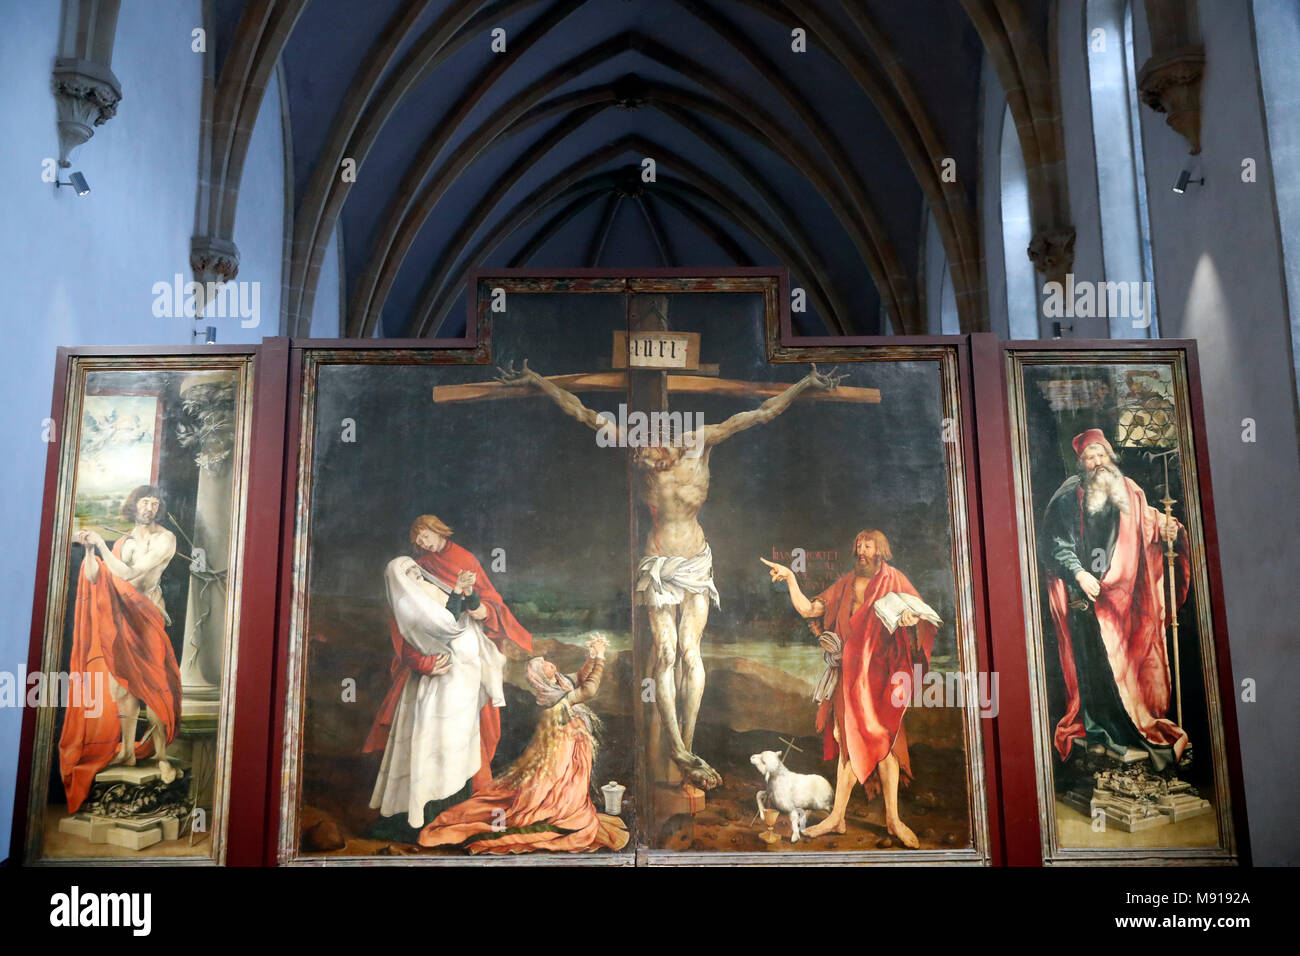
x: 1131, y: 797
x: 132, y: 807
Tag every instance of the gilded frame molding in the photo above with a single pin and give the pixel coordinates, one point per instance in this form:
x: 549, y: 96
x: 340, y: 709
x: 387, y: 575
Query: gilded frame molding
x: 44, y: 747
x: 1052, y: 852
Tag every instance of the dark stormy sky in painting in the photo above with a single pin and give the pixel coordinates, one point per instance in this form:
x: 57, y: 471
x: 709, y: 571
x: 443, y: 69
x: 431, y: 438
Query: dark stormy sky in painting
x: 518, y: 474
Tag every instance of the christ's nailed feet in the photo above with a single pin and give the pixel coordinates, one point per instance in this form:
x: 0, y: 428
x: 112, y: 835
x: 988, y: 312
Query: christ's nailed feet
x: 698, y: 773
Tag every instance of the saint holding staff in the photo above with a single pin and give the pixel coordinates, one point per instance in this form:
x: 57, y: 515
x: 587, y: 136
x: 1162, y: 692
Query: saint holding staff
x: 1103, y: 548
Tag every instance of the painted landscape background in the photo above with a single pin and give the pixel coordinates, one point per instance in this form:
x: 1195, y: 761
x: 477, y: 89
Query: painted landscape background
x: 517, y: 474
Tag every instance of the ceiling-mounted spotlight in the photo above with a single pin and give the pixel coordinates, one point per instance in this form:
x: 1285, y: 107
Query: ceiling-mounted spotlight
x: 1184, y: 178
x: 76, y: 181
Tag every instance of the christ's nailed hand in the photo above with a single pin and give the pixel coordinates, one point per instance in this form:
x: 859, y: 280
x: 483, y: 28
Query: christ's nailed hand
x: 779, y: 572
x: 825, y: 380
x: 509, y: 375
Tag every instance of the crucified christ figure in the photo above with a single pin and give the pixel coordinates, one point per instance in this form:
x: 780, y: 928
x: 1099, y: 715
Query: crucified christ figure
x: 675, y: 577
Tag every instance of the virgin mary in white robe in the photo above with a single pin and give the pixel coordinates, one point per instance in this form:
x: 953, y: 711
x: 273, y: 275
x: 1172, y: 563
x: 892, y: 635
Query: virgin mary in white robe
x: 433, y: 744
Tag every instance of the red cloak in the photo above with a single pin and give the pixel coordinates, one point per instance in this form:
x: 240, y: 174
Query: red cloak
x: 118, y: 632
x: 864, y: 704
x: 499, y: 625
x: 1131, y: 615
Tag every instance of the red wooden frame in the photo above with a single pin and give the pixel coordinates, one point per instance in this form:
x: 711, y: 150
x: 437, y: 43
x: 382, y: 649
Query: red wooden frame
x: 999, y: 735
x: 1007, y: 601
x: 1018, y: 810
x: 251, y: 770
x: 258, y: 730
x: 248, y: 732
x: 475, y: 276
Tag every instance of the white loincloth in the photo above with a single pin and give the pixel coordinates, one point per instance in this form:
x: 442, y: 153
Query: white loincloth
x: 664, y: 580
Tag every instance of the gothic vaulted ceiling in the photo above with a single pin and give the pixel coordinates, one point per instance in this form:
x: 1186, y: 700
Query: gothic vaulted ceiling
x: 822, y: 160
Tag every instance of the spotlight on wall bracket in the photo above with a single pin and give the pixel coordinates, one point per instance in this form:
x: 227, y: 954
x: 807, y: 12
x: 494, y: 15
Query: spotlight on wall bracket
x: 1058, y: 329
x: 207, y: 334
x: 76, y: 181
x: 1184, y: 178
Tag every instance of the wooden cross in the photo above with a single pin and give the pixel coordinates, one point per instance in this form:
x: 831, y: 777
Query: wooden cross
x: 648, y: 389
x: 648, y: 386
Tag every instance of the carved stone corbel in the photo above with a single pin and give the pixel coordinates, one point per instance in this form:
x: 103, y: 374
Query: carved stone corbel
x: 1171, y: 84
x: 1052, y: 251
x: 87, y: 96
x: 213, y: 260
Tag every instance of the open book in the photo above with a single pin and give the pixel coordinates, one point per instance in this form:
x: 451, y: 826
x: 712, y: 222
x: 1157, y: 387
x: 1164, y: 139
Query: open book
x: 894, y: 604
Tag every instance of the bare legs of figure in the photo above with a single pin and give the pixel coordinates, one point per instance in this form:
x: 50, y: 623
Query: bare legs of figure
x: 128, y: 712
x: 844, y: 783
x: 888, y: 770
x: 846, y: 779
x: 675, y: 662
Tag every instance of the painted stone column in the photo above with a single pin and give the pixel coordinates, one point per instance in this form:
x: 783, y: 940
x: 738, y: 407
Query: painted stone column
x: 208, y: 433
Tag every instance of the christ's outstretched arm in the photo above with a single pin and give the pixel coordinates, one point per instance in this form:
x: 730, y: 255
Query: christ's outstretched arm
x: 569, y: 403
x: 774, y: 406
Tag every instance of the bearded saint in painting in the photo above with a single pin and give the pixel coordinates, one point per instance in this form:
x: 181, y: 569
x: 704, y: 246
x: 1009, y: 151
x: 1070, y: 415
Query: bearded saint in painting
x: 1103, y: 548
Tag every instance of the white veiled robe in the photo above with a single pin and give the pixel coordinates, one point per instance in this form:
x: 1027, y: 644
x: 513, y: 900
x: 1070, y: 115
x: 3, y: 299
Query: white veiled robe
x: 433, y: 743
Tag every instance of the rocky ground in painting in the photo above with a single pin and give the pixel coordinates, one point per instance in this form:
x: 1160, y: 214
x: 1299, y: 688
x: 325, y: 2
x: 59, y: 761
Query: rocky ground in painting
x: 934, y: 806
x: 350, y: 640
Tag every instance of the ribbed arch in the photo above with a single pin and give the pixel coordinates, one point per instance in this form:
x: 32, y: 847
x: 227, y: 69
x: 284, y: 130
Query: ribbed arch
x: 693, y: 184
x: 406, y: 217
x: 419, y: 38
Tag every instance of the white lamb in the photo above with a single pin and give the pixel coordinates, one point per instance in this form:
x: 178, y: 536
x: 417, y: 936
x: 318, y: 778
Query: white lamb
x: 792, y: 793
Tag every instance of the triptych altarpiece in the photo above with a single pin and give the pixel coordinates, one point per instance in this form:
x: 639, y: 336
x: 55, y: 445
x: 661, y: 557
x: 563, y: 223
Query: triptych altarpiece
x: 629, y: 574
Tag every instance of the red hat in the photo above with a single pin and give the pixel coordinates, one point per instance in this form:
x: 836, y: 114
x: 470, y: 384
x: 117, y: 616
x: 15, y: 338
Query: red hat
x: 1093, y: 436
